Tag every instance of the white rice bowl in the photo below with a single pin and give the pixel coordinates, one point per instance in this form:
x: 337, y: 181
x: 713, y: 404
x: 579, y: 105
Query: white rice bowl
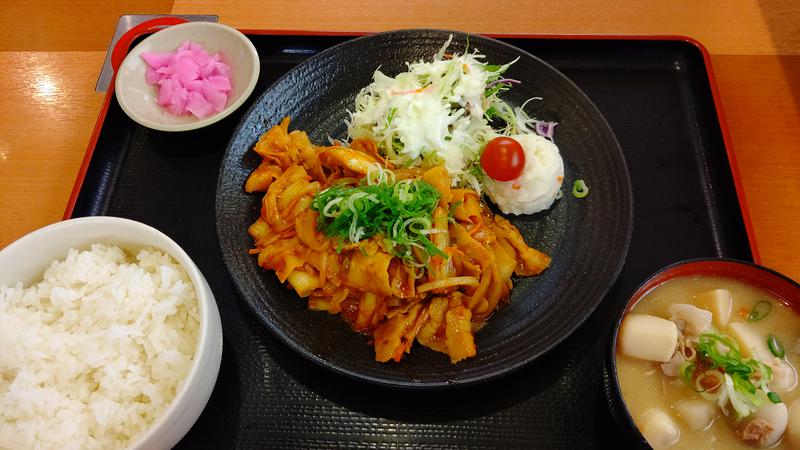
x: 91, y: 355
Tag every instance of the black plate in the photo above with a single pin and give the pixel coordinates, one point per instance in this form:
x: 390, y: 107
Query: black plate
x: 587, y: 238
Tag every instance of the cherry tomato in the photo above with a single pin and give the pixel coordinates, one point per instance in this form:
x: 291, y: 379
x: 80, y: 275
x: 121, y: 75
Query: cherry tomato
x: 503, y: 159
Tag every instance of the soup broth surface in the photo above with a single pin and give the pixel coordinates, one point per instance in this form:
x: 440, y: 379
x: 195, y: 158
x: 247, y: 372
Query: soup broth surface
x: 644, y: 386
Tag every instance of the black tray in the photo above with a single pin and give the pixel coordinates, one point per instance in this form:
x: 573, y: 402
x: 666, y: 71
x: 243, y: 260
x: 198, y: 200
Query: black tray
x: 656, y: 95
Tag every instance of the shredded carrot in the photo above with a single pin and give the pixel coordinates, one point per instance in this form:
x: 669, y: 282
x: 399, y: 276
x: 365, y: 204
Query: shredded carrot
x: 253, y: 251
x: 452, y: 250
x: 286, y: 236
x: 476, y: 228
x: 290, y: 207
x: 411, y: 91
x: 516, y: 186
x: 743, y: 312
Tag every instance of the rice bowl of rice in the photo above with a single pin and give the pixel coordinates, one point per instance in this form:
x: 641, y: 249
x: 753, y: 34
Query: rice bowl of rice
x: 110, y: 337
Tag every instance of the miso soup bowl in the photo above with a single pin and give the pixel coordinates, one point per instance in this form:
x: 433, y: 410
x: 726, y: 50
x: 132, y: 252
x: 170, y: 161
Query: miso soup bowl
x: 756, y: 275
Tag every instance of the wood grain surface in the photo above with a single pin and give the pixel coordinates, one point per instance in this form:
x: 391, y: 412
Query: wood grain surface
x: 74, y: 25
x: 760, y: 98
x: 47, y: 119
x: 52, y: 59
x: 724, y: 26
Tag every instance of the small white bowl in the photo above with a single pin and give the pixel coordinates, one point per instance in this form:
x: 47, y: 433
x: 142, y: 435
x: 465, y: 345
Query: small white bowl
x: 27, y: 258
x: 138, y: 99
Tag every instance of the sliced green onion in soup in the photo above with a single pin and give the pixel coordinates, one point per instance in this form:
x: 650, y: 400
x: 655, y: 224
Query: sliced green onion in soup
x: 773, y: 397
x: 775, y: 346
x: 700, y: 384
x: 760, y: 310
x: 686, y: 371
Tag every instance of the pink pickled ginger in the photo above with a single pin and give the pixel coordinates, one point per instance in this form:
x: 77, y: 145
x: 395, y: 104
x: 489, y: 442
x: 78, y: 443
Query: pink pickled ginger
x: 190, y: 81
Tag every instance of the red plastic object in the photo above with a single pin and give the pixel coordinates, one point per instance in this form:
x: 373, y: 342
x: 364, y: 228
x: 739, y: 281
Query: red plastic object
x: 124, y: 42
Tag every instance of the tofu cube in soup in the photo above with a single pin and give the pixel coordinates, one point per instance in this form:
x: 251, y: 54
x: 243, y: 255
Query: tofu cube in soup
x: 751, y: 343
x: 719, y: 302
x: 697, y: 414
x: 659, y: 428
x: 648, y: 337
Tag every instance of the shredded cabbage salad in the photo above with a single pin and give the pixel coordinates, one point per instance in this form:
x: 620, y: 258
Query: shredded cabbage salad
x: 441, y: 111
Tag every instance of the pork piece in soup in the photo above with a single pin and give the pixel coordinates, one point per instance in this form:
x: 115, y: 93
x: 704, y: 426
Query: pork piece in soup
x: 706, y: 362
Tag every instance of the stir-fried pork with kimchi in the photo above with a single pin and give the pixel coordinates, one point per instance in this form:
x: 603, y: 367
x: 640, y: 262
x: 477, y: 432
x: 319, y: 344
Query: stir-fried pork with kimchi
x: 398, y: 252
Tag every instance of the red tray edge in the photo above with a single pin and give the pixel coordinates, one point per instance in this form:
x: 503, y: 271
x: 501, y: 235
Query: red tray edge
x: 721, y: 119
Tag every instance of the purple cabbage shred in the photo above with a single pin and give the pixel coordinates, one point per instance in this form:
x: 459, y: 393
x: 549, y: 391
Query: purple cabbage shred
x: 545, y: 129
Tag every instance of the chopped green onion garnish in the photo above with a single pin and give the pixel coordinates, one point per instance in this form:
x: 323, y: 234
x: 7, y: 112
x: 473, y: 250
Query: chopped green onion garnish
x: 580, y: 189
x: 773, y: 397
x: 759, y: 311
x: 399, y: 211
x: 686, y: 370
x: 743, y: 377
x: 775, y: 346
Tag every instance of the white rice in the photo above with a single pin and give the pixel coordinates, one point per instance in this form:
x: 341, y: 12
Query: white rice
x: 91, y: 355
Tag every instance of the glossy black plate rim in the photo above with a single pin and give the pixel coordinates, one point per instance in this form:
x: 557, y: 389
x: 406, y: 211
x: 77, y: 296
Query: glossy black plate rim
x: 507, y: 365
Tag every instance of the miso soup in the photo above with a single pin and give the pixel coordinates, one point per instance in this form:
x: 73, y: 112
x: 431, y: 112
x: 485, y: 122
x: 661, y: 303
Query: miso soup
x: 709, y: 363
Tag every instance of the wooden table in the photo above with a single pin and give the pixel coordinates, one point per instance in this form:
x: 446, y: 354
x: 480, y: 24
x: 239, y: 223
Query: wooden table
x: 51, y: 60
